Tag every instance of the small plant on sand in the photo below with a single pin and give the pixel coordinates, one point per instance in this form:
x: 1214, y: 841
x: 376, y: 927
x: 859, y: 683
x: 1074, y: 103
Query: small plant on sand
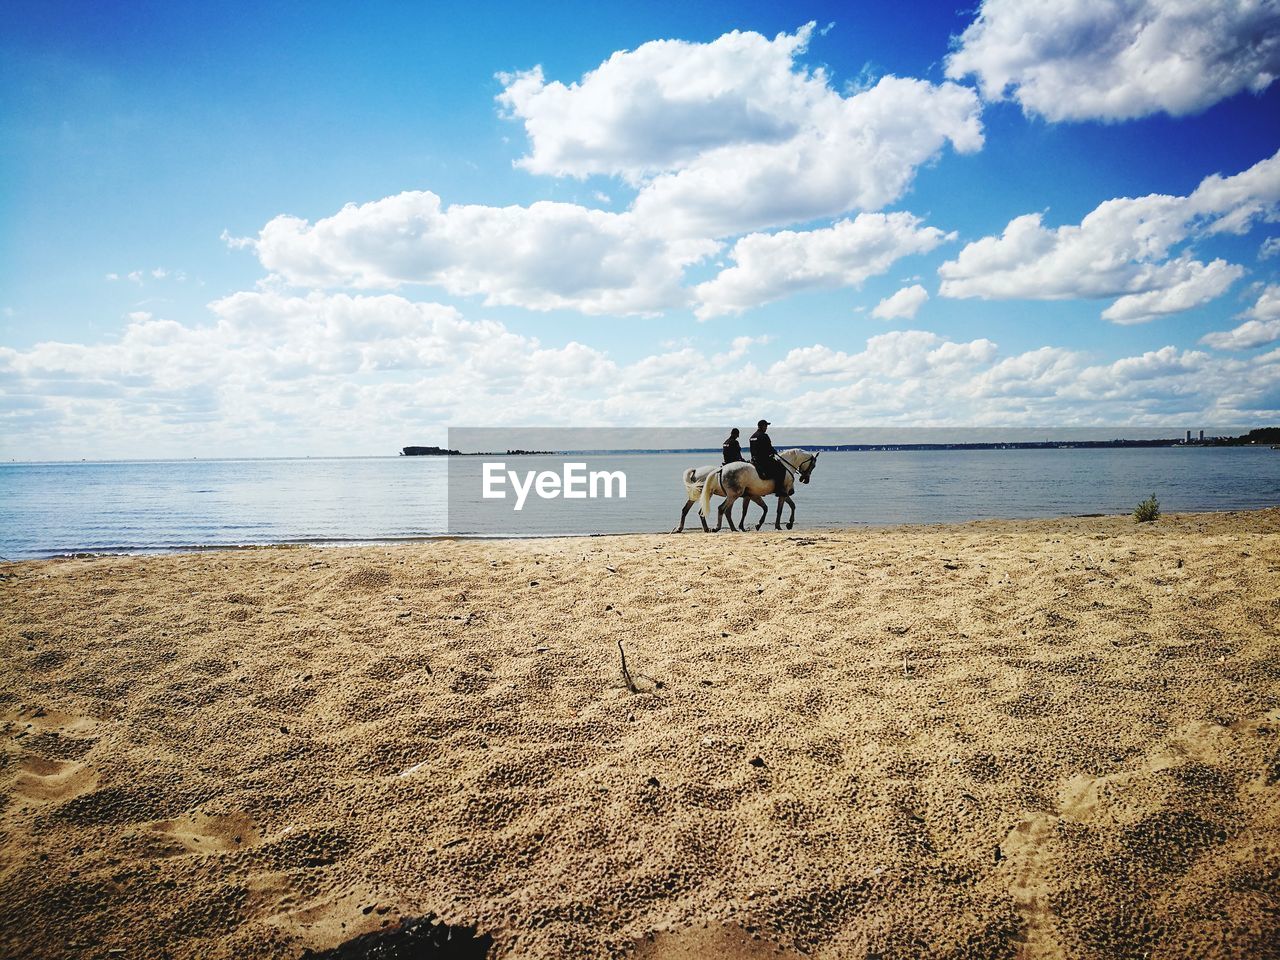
x: 1147, y: 510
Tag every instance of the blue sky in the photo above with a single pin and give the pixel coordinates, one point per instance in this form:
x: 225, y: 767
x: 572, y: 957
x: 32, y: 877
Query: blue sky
x: 682, y: 233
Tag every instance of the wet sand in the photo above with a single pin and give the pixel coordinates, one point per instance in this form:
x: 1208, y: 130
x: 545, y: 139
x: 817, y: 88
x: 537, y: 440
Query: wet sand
x: 999, y: 739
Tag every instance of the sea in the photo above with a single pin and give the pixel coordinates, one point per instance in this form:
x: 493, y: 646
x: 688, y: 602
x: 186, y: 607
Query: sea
x: 52, y: 509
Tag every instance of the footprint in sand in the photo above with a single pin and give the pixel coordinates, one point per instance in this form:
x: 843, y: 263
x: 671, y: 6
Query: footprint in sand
x: 332, y: 917
x: 204, y: 833
x: 53, y: 781
x: 1024, y: 859
x: 42, y: 720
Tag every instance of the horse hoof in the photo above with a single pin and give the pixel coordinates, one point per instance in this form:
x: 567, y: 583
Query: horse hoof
x: 790, y: 524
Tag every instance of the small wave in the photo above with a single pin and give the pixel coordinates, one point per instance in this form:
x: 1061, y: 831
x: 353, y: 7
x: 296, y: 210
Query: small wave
x: 133, y: 549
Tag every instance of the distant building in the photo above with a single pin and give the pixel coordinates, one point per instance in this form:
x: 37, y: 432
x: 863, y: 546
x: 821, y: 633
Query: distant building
x: 1202, y: 436
x: 1188, y: 436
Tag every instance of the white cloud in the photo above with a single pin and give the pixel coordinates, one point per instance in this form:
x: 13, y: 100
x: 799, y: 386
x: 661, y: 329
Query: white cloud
x: 321, y: 372
x: 275, y: 373
x: 768, y: 267
x: 660, y: 106
x: 139, y: 276
x: 731, y: 136
x: 1034, y: 374
x: 1270, y: 248
x: 1262, y: 327
x: 236, y: 243
x: 855, y: 153
x: 898, y: 355
x: 542, y: 257
x: 904, y: 304
x: 1202, y: 282
x: 913, y: 377
x: 741, y: 346
x: 719, y: 138
x: 1119, y: 59
x: 1120, y: 249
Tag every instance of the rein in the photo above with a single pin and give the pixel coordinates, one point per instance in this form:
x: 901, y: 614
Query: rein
x: 798, y: 471
x: 795, y: 471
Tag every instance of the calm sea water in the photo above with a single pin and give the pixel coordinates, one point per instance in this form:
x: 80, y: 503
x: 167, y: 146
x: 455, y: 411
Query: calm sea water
x: 55, y: 508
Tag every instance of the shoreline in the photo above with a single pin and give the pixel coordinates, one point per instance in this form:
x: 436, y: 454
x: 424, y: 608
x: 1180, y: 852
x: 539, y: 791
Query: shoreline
x: 992, y: 739
x: 358, y: 543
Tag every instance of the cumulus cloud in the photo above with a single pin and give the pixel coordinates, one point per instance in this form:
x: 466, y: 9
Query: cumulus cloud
x: 900, y: 354
x: 730, y: 136
x: 1200, y: 283
x: 1035, y: 374
x: 768, y: 267
x: 914, y: 377
x: 542, y: 257
x: 271, y: 372
x: 857, y: 153
x: 660, y: 106
x: 1121, y: 249
x: 904, y: 304
x: 1119, y: 59
x: 1260, y: 329
x: 278, y: 373
x: 718, y: 138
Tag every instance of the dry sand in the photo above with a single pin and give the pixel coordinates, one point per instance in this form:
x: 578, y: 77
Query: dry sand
x: 999, y: 739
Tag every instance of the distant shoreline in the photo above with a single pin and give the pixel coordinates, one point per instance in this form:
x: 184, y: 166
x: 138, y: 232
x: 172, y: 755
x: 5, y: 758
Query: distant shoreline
x: 1264, y: 436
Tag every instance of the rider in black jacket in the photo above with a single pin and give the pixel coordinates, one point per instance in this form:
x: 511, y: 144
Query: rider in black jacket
x: 731, y: 448
x: 765, y: 459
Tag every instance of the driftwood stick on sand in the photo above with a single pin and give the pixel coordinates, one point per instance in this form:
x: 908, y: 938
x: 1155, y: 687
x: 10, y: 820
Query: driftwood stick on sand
x: 626, y: 674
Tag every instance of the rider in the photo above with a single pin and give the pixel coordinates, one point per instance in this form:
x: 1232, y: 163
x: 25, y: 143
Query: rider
x: 731, y: 448
x: 765, y: 459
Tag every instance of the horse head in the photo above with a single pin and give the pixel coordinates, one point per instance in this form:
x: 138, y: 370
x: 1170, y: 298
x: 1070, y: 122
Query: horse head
x: 802, y: 462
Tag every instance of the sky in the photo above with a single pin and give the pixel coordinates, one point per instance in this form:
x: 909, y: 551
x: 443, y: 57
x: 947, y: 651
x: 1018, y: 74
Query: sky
x: 337, y: 229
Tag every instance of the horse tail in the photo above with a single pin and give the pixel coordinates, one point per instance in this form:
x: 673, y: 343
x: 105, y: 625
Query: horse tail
x: 704, y: 507
x: 690, y: 475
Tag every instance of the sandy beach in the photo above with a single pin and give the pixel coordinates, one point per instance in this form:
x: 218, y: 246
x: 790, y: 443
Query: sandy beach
x: 1055, y: 738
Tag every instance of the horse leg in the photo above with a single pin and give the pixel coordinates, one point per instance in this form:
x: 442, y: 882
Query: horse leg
x: 791, y: 521
x: 716, y: 528
x: 726, y: 511
x: 777, y: 520
x: 759, y: 501
x: 684, y: 513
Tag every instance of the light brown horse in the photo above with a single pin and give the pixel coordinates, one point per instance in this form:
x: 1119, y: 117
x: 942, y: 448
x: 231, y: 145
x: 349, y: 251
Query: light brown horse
x: 740, y: 480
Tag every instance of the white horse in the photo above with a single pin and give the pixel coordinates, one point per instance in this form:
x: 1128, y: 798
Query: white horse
x: 694, y: 478
x: 740, y: 480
